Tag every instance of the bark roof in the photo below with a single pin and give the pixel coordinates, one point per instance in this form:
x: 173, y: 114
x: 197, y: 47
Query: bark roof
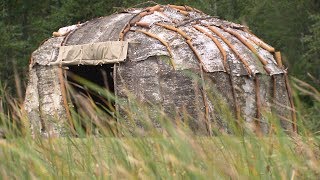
x: 191, y: 39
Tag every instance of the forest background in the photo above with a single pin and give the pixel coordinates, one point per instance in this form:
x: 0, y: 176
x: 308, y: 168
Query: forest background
x: 291, y: 26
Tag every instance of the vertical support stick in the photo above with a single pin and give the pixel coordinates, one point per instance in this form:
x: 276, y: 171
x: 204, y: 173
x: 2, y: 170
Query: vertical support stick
x: 64, y: 98
x: 258, y: 104
x: 204, y: 95
x: 293, y: 109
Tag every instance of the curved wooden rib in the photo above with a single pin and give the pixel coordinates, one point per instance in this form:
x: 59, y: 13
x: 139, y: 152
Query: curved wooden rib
x: 259, y: 42
x: 192, y: 9
x: 224, y: 54
x: 188, y: 40
x: 154, y: 8
x: 232, y: 48
x: 172, y: 28
x: 150, y: 10
x: 136, y: 18
x: 277, y: 56
x: 197, y: 55
x: 218, y: 44
x: 185, y: 13
x: 236, y: 104
x: 182, y: 8
x: 163, y: 42
x: 248, y: 45
x: 133, y: 21
x: 124, y: 32
x: 143, y: 24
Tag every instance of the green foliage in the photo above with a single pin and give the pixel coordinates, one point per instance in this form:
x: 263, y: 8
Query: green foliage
x: 312, y: 55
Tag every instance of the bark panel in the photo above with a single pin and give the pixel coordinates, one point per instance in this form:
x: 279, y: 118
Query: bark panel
x: 281, y: 102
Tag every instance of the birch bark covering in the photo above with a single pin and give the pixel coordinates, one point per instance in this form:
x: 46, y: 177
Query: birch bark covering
x: 166, y: 44
x: 43, y: 97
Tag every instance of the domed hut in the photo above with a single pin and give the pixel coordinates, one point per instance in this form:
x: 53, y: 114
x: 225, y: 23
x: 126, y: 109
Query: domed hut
x: 150, y: 53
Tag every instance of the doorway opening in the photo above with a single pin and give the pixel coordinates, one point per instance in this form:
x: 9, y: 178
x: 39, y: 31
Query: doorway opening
x: 101, y: 75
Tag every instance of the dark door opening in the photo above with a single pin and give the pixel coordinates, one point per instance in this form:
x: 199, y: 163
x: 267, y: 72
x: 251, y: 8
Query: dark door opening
x: 101, y: 75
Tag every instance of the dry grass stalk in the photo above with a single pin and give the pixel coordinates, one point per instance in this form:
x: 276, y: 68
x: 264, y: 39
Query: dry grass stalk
x: 307, y: 89
x: 17, y: 81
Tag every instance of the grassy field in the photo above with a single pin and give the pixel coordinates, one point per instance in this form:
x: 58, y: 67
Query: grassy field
x: 172, y: 152
x: 175, y: 155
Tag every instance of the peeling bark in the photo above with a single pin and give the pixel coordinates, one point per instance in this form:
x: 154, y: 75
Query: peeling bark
x: 228, y: 53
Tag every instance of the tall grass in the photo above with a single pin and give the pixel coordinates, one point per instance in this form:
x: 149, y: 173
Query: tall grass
x: 145, y: 151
